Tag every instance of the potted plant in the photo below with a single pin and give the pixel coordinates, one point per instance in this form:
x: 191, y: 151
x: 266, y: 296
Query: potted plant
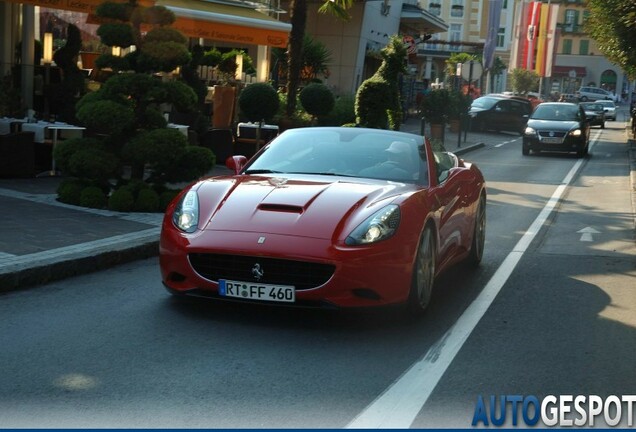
x: 224, y: 99
x: 435, y: 110
x: 458, y: 109
x: 258, y: 103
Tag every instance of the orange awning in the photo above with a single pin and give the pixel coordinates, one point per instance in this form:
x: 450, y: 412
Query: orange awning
x: 228, y: 23
x: 200, y: 19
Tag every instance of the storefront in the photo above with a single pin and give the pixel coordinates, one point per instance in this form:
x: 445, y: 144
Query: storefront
x: 236, y: 25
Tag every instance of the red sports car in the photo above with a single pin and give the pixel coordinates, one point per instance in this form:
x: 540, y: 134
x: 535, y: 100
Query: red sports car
x: 334, y: 217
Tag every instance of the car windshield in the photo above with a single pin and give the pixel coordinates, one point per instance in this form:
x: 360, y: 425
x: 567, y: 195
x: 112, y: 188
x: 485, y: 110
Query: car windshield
x: 607, y: 104
x: 592, y: 107
x: 484, y: 102
x: 348, y: 152
x: 565, y: 112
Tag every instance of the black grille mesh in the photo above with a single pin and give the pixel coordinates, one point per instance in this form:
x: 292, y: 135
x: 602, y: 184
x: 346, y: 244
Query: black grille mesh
x: 303, y: 275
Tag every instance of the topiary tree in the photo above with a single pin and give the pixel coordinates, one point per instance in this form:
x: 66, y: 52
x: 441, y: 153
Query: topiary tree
x: 124, y: 118
x: 378, y: 98
x: 317, y: 99
x: 259, y: 102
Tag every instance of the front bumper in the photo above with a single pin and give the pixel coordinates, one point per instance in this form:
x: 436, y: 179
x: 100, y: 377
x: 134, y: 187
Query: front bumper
x: 367, y: 276
x: 569, y: 144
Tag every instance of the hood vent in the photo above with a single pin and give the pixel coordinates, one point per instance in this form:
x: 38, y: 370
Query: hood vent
x: 283, y: 208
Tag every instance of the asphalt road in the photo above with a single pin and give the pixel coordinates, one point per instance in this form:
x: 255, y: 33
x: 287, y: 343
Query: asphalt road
x: 550, y: 311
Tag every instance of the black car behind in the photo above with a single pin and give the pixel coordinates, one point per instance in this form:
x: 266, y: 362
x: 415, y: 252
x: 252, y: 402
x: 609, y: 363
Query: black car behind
x: 595, y: 113
x: 557, y: 126
x: 500, y: 113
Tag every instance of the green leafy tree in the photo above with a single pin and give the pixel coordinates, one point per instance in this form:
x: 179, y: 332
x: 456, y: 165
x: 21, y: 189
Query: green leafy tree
x: 498, y: 66
x: 317, y: 99
x: 451, y: 62
x: 298, y: 21
x: 378, y: 98
x: 125, y: 116
x: 612, y: 24
x: 523, y: 81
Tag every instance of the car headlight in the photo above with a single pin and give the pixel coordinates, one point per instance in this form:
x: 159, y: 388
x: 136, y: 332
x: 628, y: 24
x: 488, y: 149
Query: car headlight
x: 530, y: 131
x: 186, y: 214
x: 379, y: 226
x: 575, y: 132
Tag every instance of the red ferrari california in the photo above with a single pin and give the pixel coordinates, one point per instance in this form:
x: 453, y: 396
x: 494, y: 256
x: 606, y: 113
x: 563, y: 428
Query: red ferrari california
x: 331, y: 217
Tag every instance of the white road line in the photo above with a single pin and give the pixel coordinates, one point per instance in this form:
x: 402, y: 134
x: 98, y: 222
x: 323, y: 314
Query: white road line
x: 398, y: 406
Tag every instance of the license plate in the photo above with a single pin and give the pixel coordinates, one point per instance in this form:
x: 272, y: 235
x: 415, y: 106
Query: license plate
x: 552, y: 140
x: 257, y: 291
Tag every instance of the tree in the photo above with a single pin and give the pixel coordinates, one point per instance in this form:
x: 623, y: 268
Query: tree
x: 378, y: 98
x: 523, y: 81
x: 451, y: 63
x: 124, y: 118
x: 612, y: 24
x: 298, y: 21
x: 314, y: 63
x: 498, y: 66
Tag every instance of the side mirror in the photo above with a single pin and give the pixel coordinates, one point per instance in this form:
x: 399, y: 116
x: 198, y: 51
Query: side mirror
x: 236, y: 163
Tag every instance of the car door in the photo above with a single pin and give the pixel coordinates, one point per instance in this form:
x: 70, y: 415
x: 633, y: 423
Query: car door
x: 448, y: 197
x: 519, y: 114
x: 501, y: 116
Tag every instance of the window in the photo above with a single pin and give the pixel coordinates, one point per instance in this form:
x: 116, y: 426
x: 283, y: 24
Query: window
x: 584, y: 47
x: 455, y: 31
x: 435, y: 8
x: 501, y: 37
x: 457, y: 8
x: 571, y: 20
x: 505, y: 4
x: 567, y: 46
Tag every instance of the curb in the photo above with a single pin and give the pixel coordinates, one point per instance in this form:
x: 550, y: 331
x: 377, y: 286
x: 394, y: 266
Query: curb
x: 463, y: 150
x: 49, y: 266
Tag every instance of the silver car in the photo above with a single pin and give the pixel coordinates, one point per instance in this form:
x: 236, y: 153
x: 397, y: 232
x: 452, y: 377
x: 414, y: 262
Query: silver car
x: 610, y: 109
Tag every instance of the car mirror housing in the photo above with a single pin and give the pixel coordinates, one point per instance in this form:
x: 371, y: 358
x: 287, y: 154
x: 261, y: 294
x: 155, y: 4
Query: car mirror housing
x: 236, y: 163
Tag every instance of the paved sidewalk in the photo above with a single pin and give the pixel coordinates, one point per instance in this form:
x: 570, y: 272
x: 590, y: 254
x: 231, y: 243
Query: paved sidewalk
x: 43, y: 240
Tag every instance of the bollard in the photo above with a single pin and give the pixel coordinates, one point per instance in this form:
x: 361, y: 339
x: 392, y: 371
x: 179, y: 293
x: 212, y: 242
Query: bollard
x: 422, y: 126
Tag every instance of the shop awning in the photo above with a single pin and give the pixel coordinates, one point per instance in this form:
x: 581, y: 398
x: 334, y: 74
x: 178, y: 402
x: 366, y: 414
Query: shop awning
x: 228, y: 23
x: 569, y: 71
x: 200, y: 19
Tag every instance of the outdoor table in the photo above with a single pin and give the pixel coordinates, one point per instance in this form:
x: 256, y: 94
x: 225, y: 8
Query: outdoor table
x: 40, y: 129
x: 181, y: 128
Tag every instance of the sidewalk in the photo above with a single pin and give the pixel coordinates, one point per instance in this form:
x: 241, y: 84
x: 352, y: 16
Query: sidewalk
x: 42, y: 240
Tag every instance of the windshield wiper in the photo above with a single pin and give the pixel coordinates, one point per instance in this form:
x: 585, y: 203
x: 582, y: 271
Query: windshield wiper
x: 325, y: 173
x: 262, y: 171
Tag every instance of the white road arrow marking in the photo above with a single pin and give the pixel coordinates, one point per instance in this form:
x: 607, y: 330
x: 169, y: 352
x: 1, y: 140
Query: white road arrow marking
x: 586, y: 234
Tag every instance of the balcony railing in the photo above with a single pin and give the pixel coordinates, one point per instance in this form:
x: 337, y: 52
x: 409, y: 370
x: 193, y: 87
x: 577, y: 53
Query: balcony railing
x: 571, y: 28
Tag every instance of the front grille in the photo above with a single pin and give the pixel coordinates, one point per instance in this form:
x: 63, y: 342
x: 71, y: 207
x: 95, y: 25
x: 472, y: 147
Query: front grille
x: 548, y: 134
x: 303, y: 275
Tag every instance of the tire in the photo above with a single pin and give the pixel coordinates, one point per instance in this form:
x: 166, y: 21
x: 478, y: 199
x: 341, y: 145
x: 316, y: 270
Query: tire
x: 525, y: 150
x: 479, y: 233
x: 583, y: 98
x: 423, y: 277
x: 603, y: 125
